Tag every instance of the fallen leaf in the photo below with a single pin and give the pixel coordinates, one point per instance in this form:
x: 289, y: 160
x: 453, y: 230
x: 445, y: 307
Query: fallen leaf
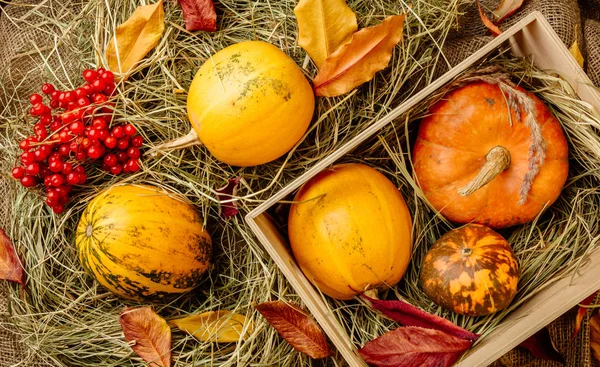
x: 414, y: 346
x: 216, y: 326
x: 576, y: 52
x: 227, y: 193
x: 151, y: 334
x: 323, y: 26
x: 595, y: 335
x: 409, y: 315
x: 506, y: 8
x: 10, y: 266
x: 199, y: 15
x: 487, y: 22
x: 356, y: 62
x: 293, y: 324
x: 541, y: 346
x: 581, y: 311
x: 135, y: 38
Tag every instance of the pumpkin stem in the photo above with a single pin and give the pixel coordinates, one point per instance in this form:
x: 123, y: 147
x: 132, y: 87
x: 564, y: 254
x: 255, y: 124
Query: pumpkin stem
x: 185, y: 141
x: 496, y: 161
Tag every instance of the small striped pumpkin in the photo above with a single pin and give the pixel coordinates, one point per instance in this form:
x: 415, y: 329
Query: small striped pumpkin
x: 141, y: 243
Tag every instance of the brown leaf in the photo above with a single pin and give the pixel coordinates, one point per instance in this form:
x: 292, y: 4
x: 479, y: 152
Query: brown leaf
x: 581, y: 311
x: 135, y: 38
x: 227, y: 193
x: 409, y: 315
x: 414, y: 346
x: 487, y: 22
x: 151, y: 334
x: 10, y: 266
x: 506, y: 8
x: 541, y: 346
x: 595, y: 335
x: 216, y: 326
x: 356, y: 62
x: 293, y: 324
x: 199, y: 15
x: 323, y: 26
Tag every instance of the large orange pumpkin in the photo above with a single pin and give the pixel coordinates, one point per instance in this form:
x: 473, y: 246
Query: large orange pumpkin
x: 471, y: 270
x: 476, y: 163
x: 350, y: 231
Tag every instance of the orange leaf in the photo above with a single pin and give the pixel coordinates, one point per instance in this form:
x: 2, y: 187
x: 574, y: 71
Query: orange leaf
x: 292, y: 323
x: 581, y: 313
x: 506, y: 8
x: 151, y: 334
x: 487, y: 22
x: 10, y: 266
x: 356, y: 62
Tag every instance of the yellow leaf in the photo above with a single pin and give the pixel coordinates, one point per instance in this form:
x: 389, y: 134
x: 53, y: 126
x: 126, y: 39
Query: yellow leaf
x: 135, y: 38
x: 323, y: 26
x: 576, y: 52
x: 356, y: 62
x: 215, y: 326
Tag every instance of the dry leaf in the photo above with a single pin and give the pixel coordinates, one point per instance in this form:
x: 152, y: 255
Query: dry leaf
x: 199, y: 15
x: 576, y: 52
x: 581, y: 311
x: 595, y: 335
x: 216, y: 326
x: 227, y: 193
x: 10, y: 266
x: 356, y: 62
x: 414, y: 346
x: 135, y: 38
x: 409, y: 315
x: 487, y: 22
x: 323, y: 26
x: 292, y: 323
x: 151, y: 334
x: 541, y: 346
x: 506, y: 8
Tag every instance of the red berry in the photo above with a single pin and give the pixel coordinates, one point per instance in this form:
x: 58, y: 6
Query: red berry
x: 89, y: 75
x: 118, y: 132
x: 47, y: 88
x: 129, y: 129
x: 64, y: 136
x: 88, y: 89
x: 99, y: 123
x: 110, y: 160
x: 61, y: 191
x: 73, y: 178
x: 57, y: 209
x: 54, y: 95
x: 79, y: 169
x: 37, y: 109
x: 39, y: 155
x: 110, y: 89
x: 101, y: 71
x: 102, y: 134
x: 32, y: 169
x: 74, y: 147
x: 18, y: 172
x: 55, y: 125
x: 100, y: 98
x: 82, y: 178
x: 83, y: 102
x: 62, y: 97
x: 28, y: 181
x: 77, y: 127
x: 70, y: 96
x: 92, y: 134
x: 41, y: 134
x: 98, y: 85
x: 67, y: 168
x: 80, y: 93
x: 54, y: 104
x: 64, y: 149
x: 52, y: 195
x: 35, y: 99
x: 110, y: 142
x: 123, y: 143
x: 132, y: 165
x: 44, y: 171
x: 57, y: 179
x: 116, y: 169
x: 108, y: 77
x: 95, y: 151
x: 46, y: 149
x: 122, y: 157
x: 45, y: 120
x: 80, y: 156
x: 133, y: 153
x: 55, y: 166
x: 25, y: 145
x: 85, y: 143
x: 137, y: 141
x: 27, y: 157
x: 52, y: 201
x: 71, y: 106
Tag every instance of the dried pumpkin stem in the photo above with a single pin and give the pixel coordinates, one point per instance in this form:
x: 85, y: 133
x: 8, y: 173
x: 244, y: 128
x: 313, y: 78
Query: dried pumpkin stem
x: 496, y: 161
x: 186, y: 141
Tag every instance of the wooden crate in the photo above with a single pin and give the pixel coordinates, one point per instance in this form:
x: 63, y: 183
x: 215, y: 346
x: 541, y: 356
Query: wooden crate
x: 533, y: 37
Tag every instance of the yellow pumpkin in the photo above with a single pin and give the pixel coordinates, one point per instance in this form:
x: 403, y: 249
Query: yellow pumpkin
x: 250, y: 104
x: 350, y: 231
x: 140, y: 242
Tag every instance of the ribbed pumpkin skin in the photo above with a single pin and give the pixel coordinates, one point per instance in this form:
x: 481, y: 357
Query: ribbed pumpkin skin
x: 250, y: 104
x: 356, y: 236
x: 140, y: 243
x: 471, y: 270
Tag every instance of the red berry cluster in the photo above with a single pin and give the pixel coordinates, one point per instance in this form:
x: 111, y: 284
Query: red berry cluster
x: 73, y: 128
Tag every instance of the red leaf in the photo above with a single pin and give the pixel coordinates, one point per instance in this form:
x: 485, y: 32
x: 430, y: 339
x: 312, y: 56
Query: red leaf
x: 541, y: 346
x: 227, y: 193
x: 414, y: 346
x: 151, y: 334
x: 409, y: 315
x: 10, y: 266
x: 506, y: 8
x: 293, y: 324
x: 581, y: 313
x: 487, y: 22
x: 199, y: 15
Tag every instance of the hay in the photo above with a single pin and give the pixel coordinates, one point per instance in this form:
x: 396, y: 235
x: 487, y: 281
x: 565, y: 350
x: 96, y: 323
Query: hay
x: 64, y: 317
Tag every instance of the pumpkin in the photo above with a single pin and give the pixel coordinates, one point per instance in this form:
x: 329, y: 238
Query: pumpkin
x: 476, y: 163
x: 139, y: 242
x: 471, y: 270
x: 350, y: 231
x: 250, y: 103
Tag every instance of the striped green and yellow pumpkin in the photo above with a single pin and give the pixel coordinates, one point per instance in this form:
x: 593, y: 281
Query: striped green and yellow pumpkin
x: 140, y: 242
x: 471, y: 270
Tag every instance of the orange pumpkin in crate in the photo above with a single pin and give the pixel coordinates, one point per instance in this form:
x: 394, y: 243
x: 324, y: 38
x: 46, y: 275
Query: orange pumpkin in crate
x: 471, y: 270
x: 479, y: 160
